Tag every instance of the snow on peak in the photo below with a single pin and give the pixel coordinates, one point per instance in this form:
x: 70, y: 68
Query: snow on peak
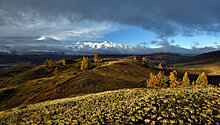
x: 103, y: 48
x: 41, y: 38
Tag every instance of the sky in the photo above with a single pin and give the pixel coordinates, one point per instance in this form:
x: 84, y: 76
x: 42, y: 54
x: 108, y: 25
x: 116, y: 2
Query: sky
x: 146, y: 23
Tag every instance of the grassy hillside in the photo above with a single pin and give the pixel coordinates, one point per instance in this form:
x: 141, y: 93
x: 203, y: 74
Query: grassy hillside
x: 127, y: 106
x: 38, y: 84
x: 32, y: 84
x: 208, y: 62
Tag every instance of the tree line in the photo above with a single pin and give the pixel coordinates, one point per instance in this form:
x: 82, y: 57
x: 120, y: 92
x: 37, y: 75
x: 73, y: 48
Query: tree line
x: 162, y: 81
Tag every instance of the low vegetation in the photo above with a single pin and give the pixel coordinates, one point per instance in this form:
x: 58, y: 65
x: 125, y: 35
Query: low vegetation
x: 76, y: 77
x: 197, y: 105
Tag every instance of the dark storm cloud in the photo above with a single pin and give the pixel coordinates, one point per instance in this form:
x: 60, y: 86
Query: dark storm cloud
x: 165, y: 17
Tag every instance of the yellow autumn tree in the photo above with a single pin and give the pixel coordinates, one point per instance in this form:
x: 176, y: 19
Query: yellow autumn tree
x: 157, y: 81
x: 57, y: 75
x: 202, y: 79
x: 144, y: 59
x: 48, y: 63
x: 96, y: 59
x: 85, y: 63
x: 134, y: 58
x: 160, y: 80
x: 160, y: 66
x: 193, y: 83
x: 173, y: 80
x: 151, y: 83
x: 64, y: 62
x: 175, y: 72
x: 185, y: 80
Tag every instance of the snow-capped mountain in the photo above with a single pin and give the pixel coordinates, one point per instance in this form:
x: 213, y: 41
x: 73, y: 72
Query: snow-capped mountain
x: 102, y: 48
x: 26, y: 45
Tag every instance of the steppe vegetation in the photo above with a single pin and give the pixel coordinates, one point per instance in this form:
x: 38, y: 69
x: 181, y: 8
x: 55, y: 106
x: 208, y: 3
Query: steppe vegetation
x: 147, y: 92
x: 196, y: 105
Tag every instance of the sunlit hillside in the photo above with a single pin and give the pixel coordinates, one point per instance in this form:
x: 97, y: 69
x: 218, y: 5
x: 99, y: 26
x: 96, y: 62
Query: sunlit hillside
x: 197, y: 105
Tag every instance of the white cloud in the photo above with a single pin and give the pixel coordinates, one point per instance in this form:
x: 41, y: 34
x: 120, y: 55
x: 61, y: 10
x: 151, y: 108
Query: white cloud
x: 58, y: 27
x: 85, y: 31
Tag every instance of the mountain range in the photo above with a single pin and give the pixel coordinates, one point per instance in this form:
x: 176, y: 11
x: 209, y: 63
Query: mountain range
x: 36, y: 45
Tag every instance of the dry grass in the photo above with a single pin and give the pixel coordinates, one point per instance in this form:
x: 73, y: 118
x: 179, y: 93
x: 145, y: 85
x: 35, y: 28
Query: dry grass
x: 34, y: 85
x: 127, y: 106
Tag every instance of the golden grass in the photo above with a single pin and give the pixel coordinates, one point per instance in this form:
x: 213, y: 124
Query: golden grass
x: 197, y: 105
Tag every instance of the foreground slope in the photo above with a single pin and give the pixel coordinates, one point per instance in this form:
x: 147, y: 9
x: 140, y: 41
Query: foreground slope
x: 127, y: 106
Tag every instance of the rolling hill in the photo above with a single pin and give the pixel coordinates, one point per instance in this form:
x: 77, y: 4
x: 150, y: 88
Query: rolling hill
x: 33, y: 84
x: 36, y: 84
x: 209, y: 62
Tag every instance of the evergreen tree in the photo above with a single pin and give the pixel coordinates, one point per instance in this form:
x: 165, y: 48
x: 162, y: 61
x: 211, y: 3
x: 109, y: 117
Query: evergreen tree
x: 64, y: 62
x: 96, y: 59
x: 185, y: 81
x: 202, y: 79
